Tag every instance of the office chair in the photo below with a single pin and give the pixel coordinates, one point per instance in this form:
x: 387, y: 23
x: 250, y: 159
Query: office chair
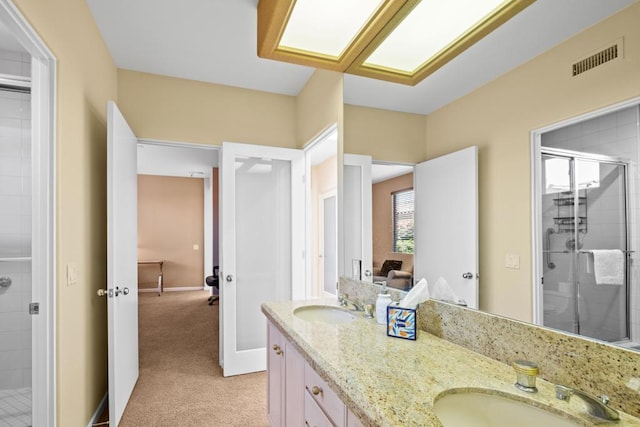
x: 214, y: 281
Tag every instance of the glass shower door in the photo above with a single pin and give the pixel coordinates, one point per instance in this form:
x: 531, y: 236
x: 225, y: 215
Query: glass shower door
x: 603, y: 269
x: 585, y: 246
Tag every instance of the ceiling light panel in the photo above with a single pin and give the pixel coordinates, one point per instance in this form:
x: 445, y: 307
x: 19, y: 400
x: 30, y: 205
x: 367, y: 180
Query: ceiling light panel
x: 430, y: 27
x: 327, y: 27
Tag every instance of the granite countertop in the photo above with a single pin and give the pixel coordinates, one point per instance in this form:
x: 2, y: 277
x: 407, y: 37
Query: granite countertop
x: 394, y: 382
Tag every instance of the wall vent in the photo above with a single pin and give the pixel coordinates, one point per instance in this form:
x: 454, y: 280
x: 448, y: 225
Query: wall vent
x: 601, y: 57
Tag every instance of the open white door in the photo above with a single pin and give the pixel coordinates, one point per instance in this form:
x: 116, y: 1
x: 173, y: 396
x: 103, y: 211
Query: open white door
x: 122, y: 258
x: 357, y: 235
x: 262, y: 234
x: 446, y: 222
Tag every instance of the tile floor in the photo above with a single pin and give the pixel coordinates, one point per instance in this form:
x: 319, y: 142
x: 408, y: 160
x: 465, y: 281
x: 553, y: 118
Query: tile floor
x: 15, y: 407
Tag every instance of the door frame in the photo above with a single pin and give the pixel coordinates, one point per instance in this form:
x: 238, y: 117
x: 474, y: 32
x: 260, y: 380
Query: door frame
x: 308, y: 250
x: 44, y: 284
x: 536, y: 206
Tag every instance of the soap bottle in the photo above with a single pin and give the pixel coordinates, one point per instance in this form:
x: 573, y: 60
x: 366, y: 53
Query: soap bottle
x: 384, y: 299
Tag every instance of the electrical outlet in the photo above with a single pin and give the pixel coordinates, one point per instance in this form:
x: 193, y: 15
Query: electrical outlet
x: 72, y: 273
x: 196, y: 247
x: 512, y: 261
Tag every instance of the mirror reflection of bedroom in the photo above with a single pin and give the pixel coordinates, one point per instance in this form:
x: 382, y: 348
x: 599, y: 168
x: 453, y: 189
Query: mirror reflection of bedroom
x: 392, y: 220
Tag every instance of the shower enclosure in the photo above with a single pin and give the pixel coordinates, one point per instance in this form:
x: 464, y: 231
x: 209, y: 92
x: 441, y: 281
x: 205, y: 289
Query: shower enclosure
x: 15, y: 241
x: 589, y: 201
x: 584, y: 205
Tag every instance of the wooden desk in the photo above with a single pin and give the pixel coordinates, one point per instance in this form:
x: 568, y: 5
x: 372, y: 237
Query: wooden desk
x: 159, y: 262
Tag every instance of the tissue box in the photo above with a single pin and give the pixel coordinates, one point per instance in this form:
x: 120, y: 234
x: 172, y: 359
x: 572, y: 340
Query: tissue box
x: 401, y: 322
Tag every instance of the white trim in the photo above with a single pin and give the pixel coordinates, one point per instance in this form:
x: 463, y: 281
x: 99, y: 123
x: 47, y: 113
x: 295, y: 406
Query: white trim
x: 172, y: 289
x: 536, y: 209
x: 96, y: 415
x: 179, y: 144
x: 43, y: 115
x: 207, y: 238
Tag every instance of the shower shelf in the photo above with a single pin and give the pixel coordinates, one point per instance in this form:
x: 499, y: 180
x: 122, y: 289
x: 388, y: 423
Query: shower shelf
x: 564, y: 219
x: 569, y: 201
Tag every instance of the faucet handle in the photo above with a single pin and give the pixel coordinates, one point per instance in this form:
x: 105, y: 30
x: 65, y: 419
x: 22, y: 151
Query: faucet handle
x: 526, y: 373
x: 605, y: 399
x: 342, y: 299
x: 563, y: 393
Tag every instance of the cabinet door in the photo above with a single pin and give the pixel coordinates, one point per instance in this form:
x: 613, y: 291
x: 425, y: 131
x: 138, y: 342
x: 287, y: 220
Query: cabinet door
x: 352, y: 420
x: 294, y: 386
x: 275, y: 376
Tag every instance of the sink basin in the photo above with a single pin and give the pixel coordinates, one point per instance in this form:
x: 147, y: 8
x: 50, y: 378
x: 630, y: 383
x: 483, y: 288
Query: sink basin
x: 324, y: 313
x: 481, y: 409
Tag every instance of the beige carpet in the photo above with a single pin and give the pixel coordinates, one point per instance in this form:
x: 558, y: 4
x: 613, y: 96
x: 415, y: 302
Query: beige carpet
x: 180, y: 382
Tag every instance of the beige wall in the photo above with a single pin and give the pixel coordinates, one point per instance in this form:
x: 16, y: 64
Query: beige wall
x: 498, y: 118
x: 324, y: 178
x: 384, y: 135
x: 86, y: 79
x: 170, y: 223
x: 167, y: 108
x: 382, y: 213
x: 319, y: 105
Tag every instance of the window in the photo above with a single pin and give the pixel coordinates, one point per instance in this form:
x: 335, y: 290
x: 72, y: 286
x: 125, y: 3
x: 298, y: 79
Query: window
x: 403, y: 221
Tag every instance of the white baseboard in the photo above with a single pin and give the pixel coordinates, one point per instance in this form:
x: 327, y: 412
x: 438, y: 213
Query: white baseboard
x: 98, y: 412
x: 174, y: 289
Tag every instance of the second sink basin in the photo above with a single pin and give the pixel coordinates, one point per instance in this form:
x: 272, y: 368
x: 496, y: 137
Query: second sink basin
x: 481, y: 409
x: 324, y: 313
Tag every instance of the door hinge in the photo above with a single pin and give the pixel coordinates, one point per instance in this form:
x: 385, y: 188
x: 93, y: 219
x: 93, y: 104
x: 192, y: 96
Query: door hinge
x: 34, y: 308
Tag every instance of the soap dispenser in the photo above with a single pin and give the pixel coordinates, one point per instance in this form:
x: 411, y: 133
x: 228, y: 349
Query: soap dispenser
x: 384, y: 299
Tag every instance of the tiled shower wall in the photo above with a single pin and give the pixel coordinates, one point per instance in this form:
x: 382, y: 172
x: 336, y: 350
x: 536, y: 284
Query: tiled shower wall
x: 615, y: 134
x: 15, y: 227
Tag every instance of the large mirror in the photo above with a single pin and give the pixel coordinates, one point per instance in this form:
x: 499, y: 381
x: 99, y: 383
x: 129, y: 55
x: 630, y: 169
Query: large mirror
x: 541, y: 238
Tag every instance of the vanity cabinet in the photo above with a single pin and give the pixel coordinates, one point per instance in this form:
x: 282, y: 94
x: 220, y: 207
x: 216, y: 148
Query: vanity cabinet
x: 297, y: 395
x: 285, y: 379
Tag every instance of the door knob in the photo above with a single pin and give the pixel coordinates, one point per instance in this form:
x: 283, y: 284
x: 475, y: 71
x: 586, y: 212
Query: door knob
x: 229, y: 278
x: 105, y: 292
x: 367, y: 273
x: 468, y: 275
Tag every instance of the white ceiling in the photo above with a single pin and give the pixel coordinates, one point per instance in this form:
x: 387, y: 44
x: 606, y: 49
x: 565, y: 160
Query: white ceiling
x: 215, y: 41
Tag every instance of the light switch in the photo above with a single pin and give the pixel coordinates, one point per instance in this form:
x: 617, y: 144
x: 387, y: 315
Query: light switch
x: 512, y: 261
x: 196, y: 247
x: 72, y: 273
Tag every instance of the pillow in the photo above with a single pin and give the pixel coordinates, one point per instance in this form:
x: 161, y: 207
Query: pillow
x: 389, y: 265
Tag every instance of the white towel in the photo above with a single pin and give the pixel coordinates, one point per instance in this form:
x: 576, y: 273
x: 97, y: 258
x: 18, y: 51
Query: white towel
x: 608, y: 266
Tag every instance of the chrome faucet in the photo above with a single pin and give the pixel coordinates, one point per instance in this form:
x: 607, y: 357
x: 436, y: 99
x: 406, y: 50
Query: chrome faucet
x: 598, y: 407
x: 345, y: 301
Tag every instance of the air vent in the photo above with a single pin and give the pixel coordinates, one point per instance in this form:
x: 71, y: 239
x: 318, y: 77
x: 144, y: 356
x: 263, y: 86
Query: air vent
x: 606, y: 55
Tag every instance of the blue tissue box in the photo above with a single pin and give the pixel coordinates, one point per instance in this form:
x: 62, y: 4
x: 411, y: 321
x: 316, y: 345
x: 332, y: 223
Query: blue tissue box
x: 401, y: 322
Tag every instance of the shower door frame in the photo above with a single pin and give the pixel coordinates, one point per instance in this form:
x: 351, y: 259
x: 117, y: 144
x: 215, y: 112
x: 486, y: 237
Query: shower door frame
x: 537, y: 245
x: 43, y: 143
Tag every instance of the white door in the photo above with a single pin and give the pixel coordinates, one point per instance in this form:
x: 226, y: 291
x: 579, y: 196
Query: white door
x: 328, y: 242
x: 357, y: 226
x: 446, y: 222
x: 262, y: 232
x: 122, y: 257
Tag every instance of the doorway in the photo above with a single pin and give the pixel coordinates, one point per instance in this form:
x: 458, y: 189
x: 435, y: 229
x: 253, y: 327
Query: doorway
x: 27, y: 257
x: 585, y: 204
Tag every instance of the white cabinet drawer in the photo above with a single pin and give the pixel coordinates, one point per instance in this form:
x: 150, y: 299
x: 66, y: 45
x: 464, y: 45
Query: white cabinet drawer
x: 326, y: 398
x: 313, y: 415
